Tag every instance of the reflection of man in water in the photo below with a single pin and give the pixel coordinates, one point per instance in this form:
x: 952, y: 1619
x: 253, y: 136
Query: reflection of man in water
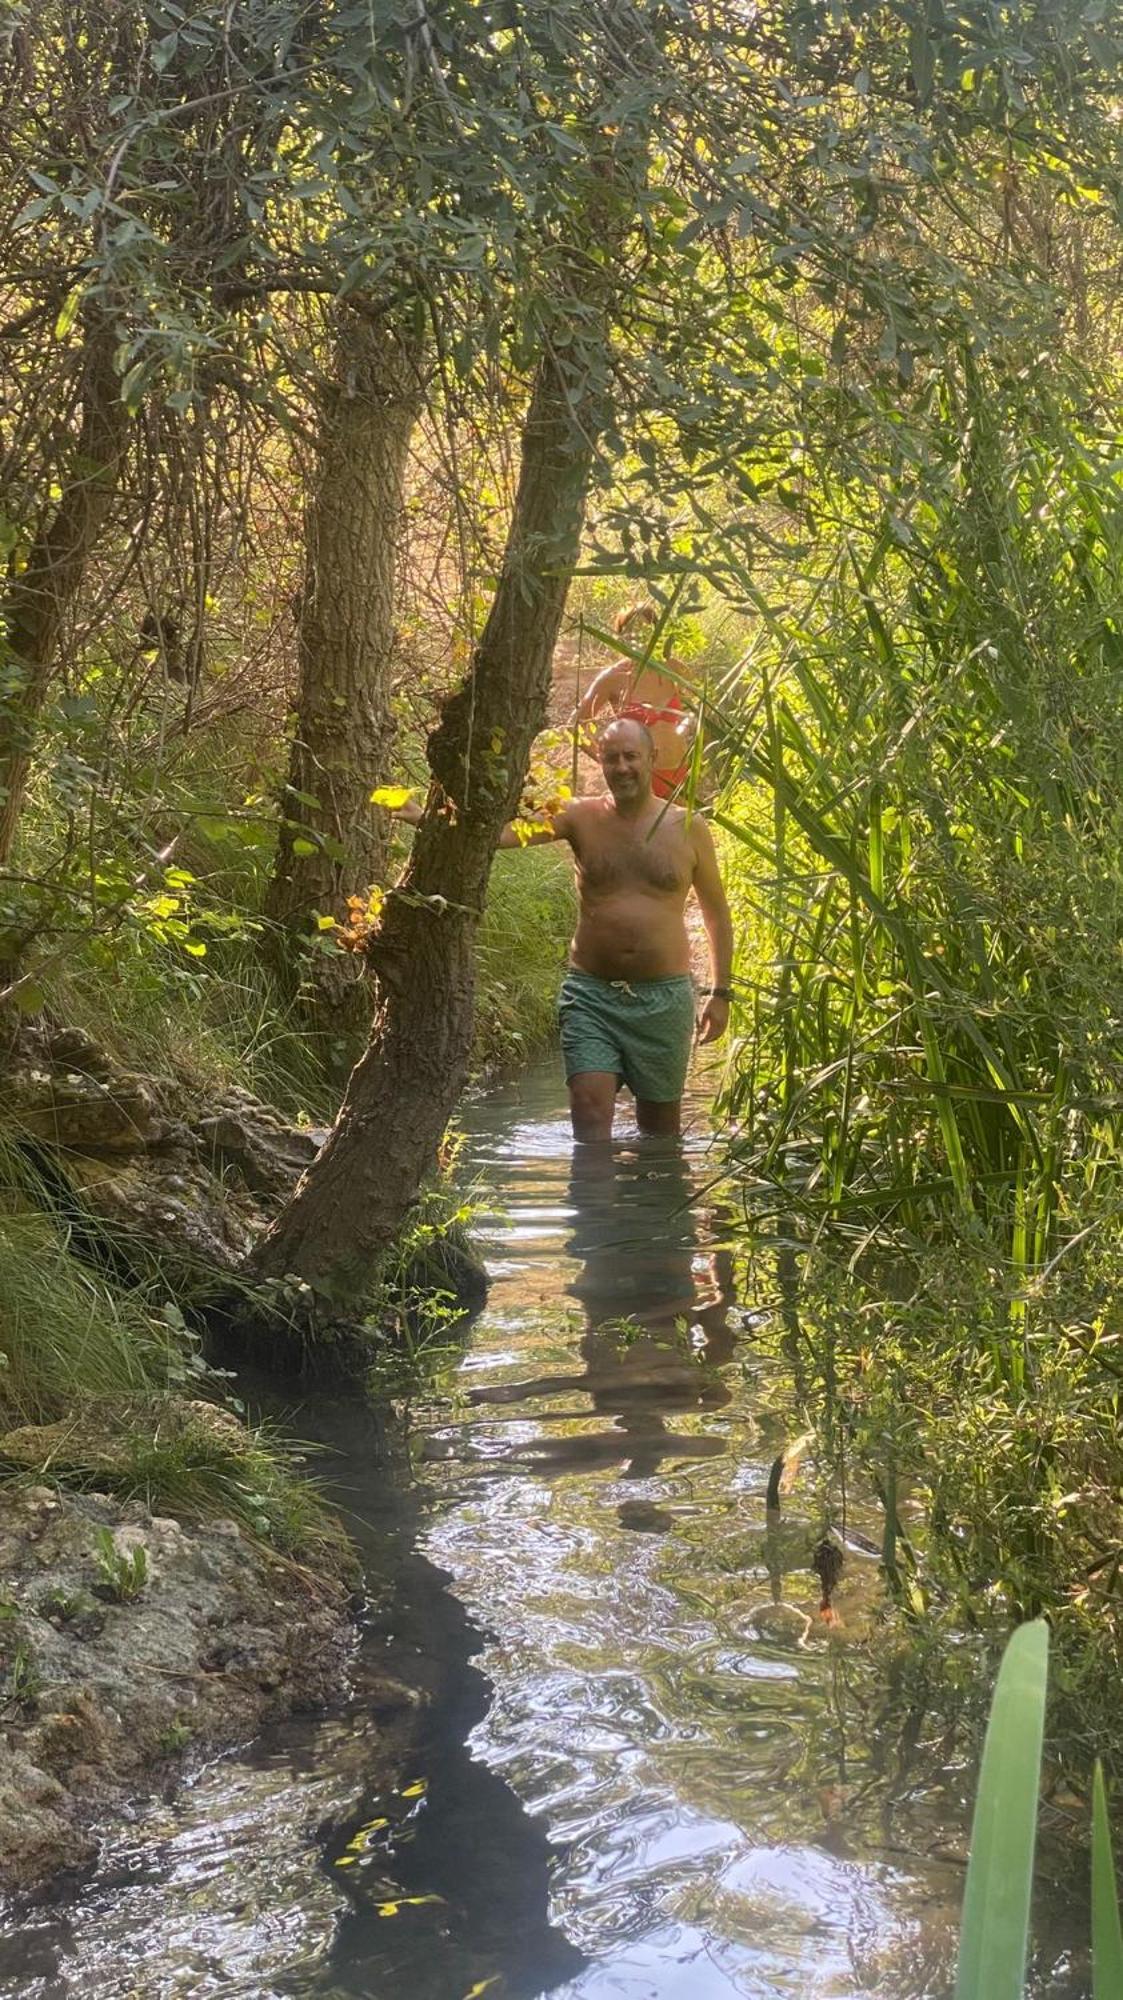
x: 655, y: 1312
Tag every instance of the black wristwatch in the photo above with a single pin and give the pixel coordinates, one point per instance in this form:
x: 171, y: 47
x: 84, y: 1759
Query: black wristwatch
x: 717, y: 992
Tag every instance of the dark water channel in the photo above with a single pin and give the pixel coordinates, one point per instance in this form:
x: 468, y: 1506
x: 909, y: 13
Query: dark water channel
x: 647, y: 1770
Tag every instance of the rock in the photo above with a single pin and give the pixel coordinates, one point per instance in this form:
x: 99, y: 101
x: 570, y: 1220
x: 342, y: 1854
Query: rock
x: 79, y: 1113
x: 182, y: 1214
x: 268, y: 1153
x: 80, y: 1734
x: 111, y: 1705
x: 101, y: 1438
x: 72, y: 1048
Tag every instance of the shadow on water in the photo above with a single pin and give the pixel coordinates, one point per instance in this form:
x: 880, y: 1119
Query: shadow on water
x: 446, y: 1875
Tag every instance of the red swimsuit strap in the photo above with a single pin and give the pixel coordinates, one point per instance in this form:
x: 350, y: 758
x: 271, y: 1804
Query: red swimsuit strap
x: 641, y: 711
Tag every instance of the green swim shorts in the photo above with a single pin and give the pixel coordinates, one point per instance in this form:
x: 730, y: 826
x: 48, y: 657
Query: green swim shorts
x: 641, y: 1030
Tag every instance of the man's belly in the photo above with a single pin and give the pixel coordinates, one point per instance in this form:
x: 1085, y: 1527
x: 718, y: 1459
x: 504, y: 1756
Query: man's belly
x: 629, y: 937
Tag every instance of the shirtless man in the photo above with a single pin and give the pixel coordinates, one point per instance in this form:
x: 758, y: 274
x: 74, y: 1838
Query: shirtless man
x: 627, y: 1005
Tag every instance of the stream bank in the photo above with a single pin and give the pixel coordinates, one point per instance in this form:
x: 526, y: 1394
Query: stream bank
x: 130, y: 1645
x: 170, y: 1580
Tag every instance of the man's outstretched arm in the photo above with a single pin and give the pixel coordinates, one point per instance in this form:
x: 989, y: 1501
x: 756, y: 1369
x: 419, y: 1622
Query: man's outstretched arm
x: 526, y: 833
x: 515, y: 834
x: 712, y: 902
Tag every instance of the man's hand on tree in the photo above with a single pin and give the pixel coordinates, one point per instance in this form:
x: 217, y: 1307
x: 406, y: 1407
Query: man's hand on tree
x: 713, y: 1020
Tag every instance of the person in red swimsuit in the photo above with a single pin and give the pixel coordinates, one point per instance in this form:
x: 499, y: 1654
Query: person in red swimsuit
x: 643, y: 691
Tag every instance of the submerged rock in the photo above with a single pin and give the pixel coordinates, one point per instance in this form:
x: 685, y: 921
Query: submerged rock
x: 101, y: 1703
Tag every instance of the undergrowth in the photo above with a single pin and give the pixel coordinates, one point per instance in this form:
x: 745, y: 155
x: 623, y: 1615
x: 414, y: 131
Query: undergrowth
x: 980, y: 1413
x: 520, y: 952
x: 126, y: 1403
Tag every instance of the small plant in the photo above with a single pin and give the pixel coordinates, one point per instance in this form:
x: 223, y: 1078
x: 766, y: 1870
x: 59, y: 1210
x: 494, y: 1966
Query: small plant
x: 64, y: 1607
x: 122, y: 1574
x: 625, y: 1330
x: 176, y: 1736
x: 24, y: 1682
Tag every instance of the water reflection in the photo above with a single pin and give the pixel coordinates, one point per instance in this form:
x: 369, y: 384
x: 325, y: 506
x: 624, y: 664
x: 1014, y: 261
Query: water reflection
x: 655, y: 1309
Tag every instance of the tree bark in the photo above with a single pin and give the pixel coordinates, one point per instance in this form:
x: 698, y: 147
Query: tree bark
x: 41, y: 597
x: 354, y: 1198
x: 332, y: 841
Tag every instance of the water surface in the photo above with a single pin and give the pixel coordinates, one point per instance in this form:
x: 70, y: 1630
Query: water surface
x: 648, y: 1769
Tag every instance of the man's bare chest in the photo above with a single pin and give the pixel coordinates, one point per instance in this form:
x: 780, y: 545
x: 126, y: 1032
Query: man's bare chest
x: 613, y: 858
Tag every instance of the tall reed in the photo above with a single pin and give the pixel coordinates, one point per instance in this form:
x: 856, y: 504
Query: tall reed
x: 923, y: 748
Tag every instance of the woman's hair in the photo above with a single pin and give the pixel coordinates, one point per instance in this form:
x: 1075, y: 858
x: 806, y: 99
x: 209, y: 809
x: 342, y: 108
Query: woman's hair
x: 636, y: 614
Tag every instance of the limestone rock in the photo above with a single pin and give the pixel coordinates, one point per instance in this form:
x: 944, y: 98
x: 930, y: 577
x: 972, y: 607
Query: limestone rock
x: 219, y: 1640
x: 79, y: 1113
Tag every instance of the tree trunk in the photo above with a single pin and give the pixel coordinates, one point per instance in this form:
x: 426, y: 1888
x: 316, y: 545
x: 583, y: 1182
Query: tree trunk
x: 332, y: 841
x: 40, y: 599
x: 354, y: 1198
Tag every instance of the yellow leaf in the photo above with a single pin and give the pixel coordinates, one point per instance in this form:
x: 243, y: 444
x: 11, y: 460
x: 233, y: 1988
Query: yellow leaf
x: 363, y: 1836
x: 325, y: 923
x: 391, y: 796
x: 388, y: 1909
x: 417, y: 1789
x: 481, y: 1986
x: 346, y: 1861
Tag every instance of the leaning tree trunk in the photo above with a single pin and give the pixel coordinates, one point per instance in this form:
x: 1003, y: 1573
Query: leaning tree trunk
x: 353, y: 1199
x: 332, y: 841
x: 41, y: 597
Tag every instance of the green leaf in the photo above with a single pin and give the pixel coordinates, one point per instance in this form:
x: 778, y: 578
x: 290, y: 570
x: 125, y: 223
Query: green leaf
x: 995, y: 1934
x: 1107, y: 1934
x: 304, y: 847
x: 69, y: 312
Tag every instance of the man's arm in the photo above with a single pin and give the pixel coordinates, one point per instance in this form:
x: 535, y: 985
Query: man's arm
x: 555, y: 828
x: 602, y: 694
x: 718, y: 921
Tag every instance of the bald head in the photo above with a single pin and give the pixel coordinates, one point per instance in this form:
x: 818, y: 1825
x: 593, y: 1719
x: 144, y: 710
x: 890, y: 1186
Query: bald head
x: 626, y: 728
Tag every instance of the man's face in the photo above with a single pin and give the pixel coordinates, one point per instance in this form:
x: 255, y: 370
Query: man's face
x: 625, y: 759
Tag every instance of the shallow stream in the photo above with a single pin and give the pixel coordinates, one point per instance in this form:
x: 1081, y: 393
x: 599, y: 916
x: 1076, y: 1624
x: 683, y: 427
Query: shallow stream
x: 647, y: 1769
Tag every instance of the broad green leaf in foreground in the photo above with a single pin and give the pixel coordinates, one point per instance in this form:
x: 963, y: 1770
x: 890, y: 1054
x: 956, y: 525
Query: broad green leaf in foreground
x: 994, y: 1938
x: 1107, y: 1937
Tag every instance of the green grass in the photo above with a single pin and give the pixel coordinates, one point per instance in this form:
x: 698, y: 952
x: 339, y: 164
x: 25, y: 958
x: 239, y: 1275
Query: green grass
x: 65, y: 1334
x: 994, y: 1935
x: 117, y: 1372
x: 520, y: 954
x: 228, y: 1023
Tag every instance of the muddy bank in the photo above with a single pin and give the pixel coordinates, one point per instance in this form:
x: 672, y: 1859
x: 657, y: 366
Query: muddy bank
x: 132, y: 1646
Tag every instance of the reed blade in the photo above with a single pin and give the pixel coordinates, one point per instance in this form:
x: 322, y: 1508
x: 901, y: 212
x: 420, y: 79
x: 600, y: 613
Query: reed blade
x: 1107, y: 1934
x: 995, y: 1931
